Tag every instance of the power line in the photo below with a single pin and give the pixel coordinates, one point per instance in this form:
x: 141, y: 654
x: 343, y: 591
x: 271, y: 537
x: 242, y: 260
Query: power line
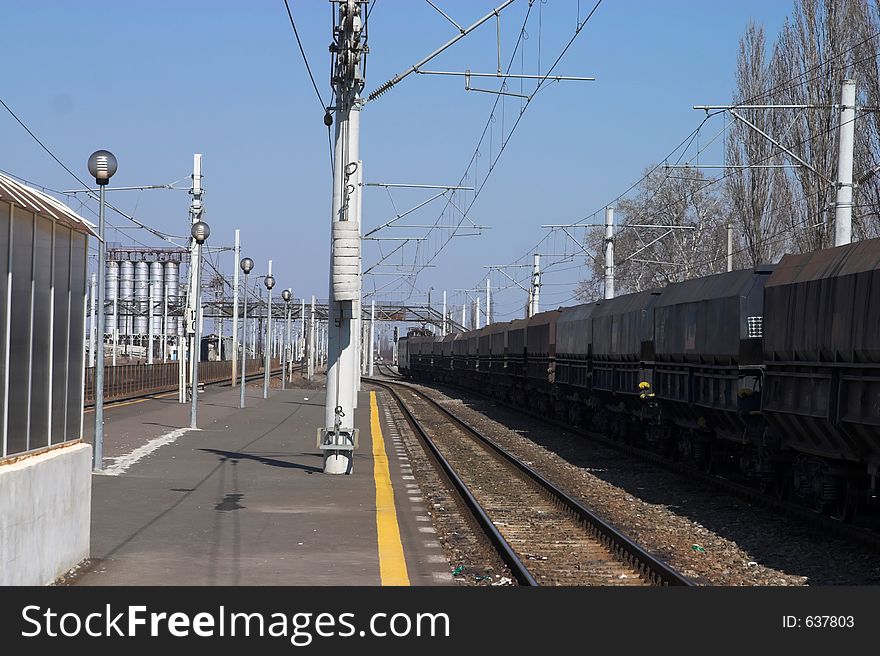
x: 311, y: 77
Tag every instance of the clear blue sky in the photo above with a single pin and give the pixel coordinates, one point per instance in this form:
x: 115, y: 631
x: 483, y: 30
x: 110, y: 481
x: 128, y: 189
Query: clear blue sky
x: 155, y: 81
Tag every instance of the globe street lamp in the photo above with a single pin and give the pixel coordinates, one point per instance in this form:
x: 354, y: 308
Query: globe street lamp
x: 200, y: 232
x: 102, y: 165
x: 286, y: 296
x: 247, y: 265
x: 269, y: 281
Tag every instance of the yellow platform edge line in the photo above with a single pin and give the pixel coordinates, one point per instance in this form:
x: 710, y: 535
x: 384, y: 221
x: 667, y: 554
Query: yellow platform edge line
x: 392, y: 564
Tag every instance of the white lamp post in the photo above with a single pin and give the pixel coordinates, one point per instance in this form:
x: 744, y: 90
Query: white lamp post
x: 102, y: 165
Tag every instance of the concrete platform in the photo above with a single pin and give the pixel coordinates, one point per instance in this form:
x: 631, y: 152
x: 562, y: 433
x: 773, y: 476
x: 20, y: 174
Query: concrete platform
x: 244, y: 500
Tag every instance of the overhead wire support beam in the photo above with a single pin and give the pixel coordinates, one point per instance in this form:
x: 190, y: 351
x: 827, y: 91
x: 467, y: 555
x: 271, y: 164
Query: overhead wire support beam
x: 400, y: 76
x: 135, y: 188
x: 730, y: 110
x: 417, y: 186
x: 732, y: 166
x: 512, y: 76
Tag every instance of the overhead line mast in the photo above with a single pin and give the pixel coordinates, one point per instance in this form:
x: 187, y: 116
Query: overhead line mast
x: 338, y: 438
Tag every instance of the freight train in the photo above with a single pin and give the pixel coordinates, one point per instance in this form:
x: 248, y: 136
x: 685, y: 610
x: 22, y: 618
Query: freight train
x: 772, y: 372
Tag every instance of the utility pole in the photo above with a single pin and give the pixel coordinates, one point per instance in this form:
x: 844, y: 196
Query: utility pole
x: 609, y: 253
x: 269, y: 282
x: 372, y: 337
x: 235, y: 291
x: 535, y: 294
x: 164, y: 340
x: 488, y: 302
x: 464, y: 314
x: 843, y: 204
x: 729, y: 247
x: 93, y: 332
x: 150, y: 332
x: 477, y: 313
x: 445, y: 329
x: 347, y: 78
x: 195, y: 215
x: 311, y: 342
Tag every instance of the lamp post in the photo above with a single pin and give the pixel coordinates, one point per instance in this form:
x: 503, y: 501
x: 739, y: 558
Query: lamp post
x: 102, y: 165
x: 286, y: 296
x: 200, y: 232
x: 269, y: 281
x: 246, y: 264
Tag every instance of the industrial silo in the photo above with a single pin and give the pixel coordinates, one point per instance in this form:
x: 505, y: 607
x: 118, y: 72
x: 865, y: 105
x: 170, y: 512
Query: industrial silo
x: 126, y: 298
x: 112, y: 295
x: 141, y: 296
x: 172, y: 288
x: 157, y: 282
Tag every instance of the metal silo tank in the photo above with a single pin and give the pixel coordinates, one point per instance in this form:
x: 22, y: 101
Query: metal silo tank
x: 141, y: 296
x: 111, y: 282
x: 172, y: 286
x: 157, y: 282
x: 126, y: 296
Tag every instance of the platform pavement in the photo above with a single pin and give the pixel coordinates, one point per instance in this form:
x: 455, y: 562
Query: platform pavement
x: 244, y: 500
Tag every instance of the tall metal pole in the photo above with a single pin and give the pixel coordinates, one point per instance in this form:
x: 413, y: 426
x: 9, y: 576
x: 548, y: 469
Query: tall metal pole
x: 445, y: 323
x: 195, y: 353
x: 464, y: 315
x: 609, y: 252
x: 843, y: 204
x: 194, y: 294
x: 729, y: 247
x: 164, y: 340
x: 311, y: 343
x: 94, y: 325
x: 244, y: 341
x: 347, y: 77
x: 301, y: 345
x: 115, y: 330
x: 235, y: 293
x: 488, y: 302
x: 288, y: 354
x: 536, y: 285
x: 98, y: 454
x: 372, y: 336
x: 150, y: 331
x: 267, y: 347
x: 477, y: 313
x: 285, y: 339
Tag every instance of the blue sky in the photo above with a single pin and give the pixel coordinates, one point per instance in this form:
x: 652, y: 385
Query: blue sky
x: 155, y: 81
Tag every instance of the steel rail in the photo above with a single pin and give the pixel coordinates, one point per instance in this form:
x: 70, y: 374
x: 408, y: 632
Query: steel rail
x: 517, y: 568
x: 620, y: 545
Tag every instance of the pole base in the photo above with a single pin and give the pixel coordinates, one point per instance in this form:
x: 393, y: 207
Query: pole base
x: 338, y: 462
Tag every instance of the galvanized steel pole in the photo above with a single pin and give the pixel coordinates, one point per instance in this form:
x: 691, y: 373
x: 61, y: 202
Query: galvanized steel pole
x: 195, y: 353
x: 246, y: 265
x: 609, y: 252
x: 94, y: 325
x: 98, y: 454
x: 102, y: 165
x: 843, y: 204
x: 729, y: 247
x: 236, y: 260
x: 372, y: 337
x: 269, y: 281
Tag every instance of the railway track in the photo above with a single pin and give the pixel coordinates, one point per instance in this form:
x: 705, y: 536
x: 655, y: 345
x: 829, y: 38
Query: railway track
x: 161, y: 392
x: 543, y: 535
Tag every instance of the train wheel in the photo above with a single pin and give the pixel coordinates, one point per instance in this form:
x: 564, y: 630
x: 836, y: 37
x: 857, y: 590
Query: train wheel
x: 845, y: 508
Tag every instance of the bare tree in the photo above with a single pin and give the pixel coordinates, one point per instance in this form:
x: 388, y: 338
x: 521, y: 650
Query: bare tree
x: 822, y: 44
x: 748, y: 188
x: 647, y: 258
